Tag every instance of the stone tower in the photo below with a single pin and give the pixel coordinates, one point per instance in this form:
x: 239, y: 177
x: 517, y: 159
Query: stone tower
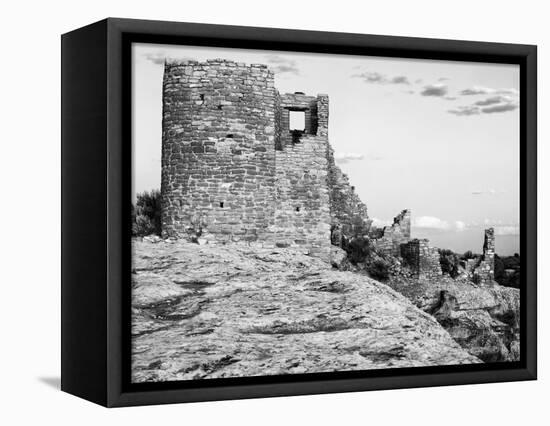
x: 218, y: 157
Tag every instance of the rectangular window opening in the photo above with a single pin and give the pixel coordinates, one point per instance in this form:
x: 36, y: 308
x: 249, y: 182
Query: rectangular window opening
x: 297, y: 120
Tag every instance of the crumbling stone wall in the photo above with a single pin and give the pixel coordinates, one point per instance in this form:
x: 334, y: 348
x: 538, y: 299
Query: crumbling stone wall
x: 349, y: 214
x: 484, y: 272
x: 232, y: 169
x: 468, y: 267
x: 389, y: 239
x: 302, y: 204
x: 422, y: 259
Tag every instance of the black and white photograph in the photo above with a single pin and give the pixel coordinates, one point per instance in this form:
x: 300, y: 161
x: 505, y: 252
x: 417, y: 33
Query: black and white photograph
x: 297, y: 213
x: 274, y: 214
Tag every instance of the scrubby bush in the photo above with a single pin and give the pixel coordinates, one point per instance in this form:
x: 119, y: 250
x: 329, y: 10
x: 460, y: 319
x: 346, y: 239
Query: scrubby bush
x: 379, y: 269
x: 468, y: 255
x: 507, y: 270
x: 142, y: 226
x: 449, y: 262
x: 146, y: 219
x: 358, y: 249
x: 511, y: 262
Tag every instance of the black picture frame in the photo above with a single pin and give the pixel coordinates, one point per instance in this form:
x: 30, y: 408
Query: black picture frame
x: 96, y: 170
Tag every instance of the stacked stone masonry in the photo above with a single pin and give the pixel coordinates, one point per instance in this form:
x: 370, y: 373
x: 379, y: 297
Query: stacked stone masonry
x: 389, y: 239
x: 484, y: 271
x: 422, y: 259
x: 233, y: 170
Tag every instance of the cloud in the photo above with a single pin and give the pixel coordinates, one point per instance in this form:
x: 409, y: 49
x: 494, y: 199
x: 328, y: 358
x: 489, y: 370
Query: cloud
x: 434, y: 90
x: 508, y: 106
x: 507, y: 230
x: 431, y: 222
x: 480, y: 90
x: 346, y: 157
x: 380, y: 223
x: 487, y: 192
x: 460, y: 226
x: 494, y: 100
x: 378, y: 78
x: 281, y: 65
x: 400, y: 79
x: 155, y: 57
x: 476, y: 90
x: 160, y: 57
x: 465, y: 110
x: 442, y: 79
x: 371, y: 77
x: 449, y: 98
x: 513, y: 92
x: 490, y: 105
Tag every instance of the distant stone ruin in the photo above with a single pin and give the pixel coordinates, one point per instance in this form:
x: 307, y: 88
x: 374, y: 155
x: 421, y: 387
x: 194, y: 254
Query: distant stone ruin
x: 422, y: 259
x: 389, y: 239
x: 482, y: 269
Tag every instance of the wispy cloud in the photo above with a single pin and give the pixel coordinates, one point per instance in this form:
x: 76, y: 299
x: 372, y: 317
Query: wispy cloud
x: 435, y: 224
x: 460, y: 225
x: 494, y: 100
x: 501, y: 227
x: 378, y: 78
x: 380, y: 223
x: 480, y: 90
x: 155, y: 57
x: 346, y: 157
x: 509, y: 106
x: 507, y: 230
x: 400, y: 79
x: 487, y: 192
x: 491, y: 105
x: 432, y: 223
x: 281, y: 65
x: 438, y: 89
x: 160, y: 57
x: 465, y: 110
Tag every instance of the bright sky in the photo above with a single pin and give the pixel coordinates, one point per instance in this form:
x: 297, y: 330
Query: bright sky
x: 438, y: 137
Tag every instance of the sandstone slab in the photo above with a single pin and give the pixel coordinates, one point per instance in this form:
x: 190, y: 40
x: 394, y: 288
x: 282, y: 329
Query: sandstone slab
x: 229, y: 311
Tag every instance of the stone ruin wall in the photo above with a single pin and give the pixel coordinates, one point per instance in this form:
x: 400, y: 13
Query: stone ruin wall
x: 302, y: 204
x: 349, y: 213
x: 484, y: 271
x: 389, y: 239
x: 422, y: 259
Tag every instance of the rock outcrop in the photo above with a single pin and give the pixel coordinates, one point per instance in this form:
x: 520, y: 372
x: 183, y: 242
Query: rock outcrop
x: 483, y: 319
x: 228, y: 311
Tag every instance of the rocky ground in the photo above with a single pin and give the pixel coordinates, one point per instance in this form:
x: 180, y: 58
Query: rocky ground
x: 482, y: 319
x: 228, y: 311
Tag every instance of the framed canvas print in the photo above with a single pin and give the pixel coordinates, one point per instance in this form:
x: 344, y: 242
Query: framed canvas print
x: 253, y: 212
